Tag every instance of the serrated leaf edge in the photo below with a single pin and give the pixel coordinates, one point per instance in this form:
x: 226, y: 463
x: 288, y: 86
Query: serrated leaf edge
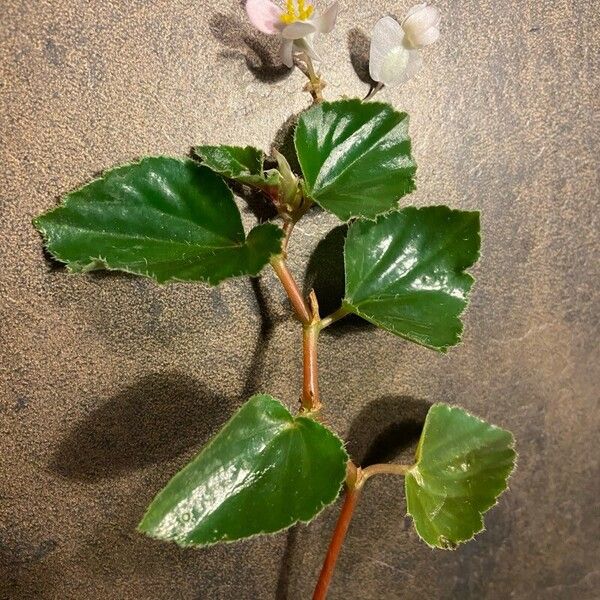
x: 512, y: 446
x: 91, y: 265
x: 323, y: 506
x: 264, y: 176
x: 358, y: 101
x: 460, y: 332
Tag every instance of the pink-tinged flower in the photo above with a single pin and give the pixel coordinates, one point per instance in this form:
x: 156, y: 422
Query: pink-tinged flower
x: 395, y: 48
x: 296, y: 25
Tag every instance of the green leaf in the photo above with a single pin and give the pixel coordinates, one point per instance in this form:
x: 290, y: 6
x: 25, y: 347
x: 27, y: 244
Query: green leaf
x: 355, y: 157
x: 463, y: 465
x: 405, y: 272
x: 241, y: 164
x: 264, y: 471
x: 164, y: 218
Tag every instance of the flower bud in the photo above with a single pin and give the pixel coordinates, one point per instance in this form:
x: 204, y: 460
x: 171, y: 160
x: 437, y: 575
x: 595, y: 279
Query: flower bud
x: 421, y: 25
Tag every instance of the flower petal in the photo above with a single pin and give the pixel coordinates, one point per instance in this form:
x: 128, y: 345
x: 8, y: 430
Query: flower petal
x: 305, y: 45
x: 415, y: 62
x: 264, y: 15
x: 399, y: 66
x: 422, y: 16
x: 420, y: 25
x: 298, y: 30
x: 326, y: 22
x: 287, y: 53
x: 386, y: 38
x: 425, y: 38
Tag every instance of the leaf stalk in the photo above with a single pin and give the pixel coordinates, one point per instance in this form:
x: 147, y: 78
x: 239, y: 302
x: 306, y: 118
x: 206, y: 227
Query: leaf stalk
x: 355, y: 482
x: 340, y: 313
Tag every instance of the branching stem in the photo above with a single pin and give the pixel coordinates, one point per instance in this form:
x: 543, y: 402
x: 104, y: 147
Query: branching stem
x: 312, y: 324
x: 384, y: 469
x: 308, y: 313
x: 339, y: 535
x: 340, y: 313
x: 355, y: 481
x: 311, y: 400
x: 292, y: 290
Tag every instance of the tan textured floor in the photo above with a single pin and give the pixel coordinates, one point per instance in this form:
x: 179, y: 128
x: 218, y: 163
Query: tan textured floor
x: 109, y: 384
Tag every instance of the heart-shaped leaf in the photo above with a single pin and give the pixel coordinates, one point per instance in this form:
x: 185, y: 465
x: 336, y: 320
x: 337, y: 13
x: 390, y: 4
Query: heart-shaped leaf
x: 405, y: 272
x: 463, y: 465
x: 355, y: 157
x: 264, y: 471
x: 241, y: 164
x: 164, y: 218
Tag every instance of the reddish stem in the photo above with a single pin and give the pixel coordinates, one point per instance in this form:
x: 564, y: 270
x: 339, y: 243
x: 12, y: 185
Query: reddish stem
x: 292, y: 290
x: 308, y: 313
x: 288, y: 228
x: 341, y: 528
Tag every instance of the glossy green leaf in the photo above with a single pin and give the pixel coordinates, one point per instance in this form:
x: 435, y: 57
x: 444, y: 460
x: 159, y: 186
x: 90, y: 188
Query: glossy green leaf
x: 463, y: 465
x: 164, y: 218
x: 355, y: 157
x: 405, y: 272
x: 264, y: 471
x: 241, y: 164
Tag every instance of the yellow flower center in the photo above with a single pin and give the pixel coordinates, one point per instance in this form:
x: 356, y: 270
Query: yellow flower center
x: 297, y: 10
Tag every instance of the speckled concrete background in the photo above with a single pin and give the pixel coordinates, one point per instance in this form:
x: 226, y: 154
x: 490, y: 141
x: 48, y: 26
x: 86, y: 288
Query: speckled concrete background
x: 109, y: 384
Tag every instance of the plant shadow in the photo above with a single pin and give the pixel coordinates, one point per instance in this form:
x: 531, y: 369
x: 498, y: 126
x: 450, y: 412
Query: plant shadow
x: 267, y: 327
x: 325, y: 274
x: 259, y: 51
x: 386, y: 429
x: 151, y: 421
x: 284, y: 142
x: 359, y: 47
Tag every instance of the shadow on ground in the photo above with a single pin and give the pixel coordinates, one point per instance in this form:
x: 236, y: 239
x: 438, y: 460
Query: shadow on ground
x: 259, y: 51
x: 151, y: 421
x: 385, y: 430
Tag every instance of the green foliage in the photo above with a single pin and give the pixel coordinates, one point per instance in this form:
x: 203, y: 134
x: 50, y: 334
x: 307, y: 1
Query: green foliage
x: 355, y: 157
x: 164, y: 218
x: 405, y: 272
x: 462, y: 466
x: 241, y: 164
x: 264, y: 471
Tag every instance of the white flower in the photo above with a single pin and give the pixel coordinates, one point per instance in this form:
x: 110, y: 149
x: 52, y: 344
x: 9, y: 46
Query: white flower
x: 421, y: 25
x: 296, y: 25
x: 395, y: 48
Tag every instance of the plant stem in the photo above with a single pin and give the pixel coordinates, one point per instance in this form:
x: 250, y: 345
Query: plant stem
x: 373, y: 91
x: 311, y: 400
x: 355, y: 481
x: 293, y: 291
x: 340, y: 313
x: 308, y: 313
x: 339, y: 534
x: 288, y: 228
x: 316, y: 84
x: 383, y: 470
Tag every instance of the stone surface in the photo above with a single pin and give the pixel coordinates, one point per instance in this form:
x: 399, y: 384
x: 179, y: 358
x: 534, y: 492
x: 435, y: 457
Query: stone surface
x: 109, y: 384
